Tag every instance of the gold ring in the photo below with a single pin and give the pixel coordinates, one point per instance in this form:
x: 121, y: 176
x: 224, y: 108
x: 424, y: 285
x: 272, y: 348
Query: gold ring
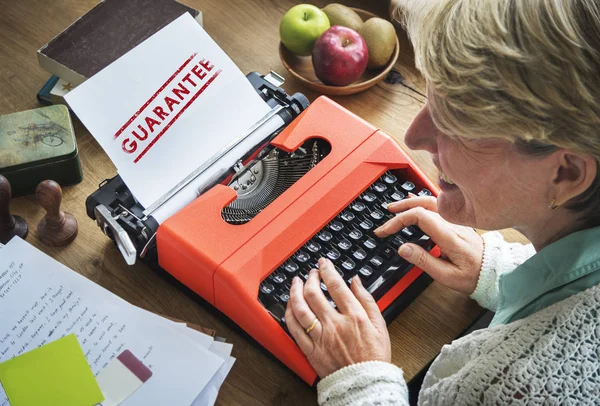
x: 312, y: 326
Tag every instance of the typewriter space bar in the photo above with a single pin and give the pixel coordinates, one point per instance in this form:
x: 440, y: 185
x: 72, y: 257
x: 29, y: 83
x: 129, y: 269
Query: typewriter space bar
x: 388, y: 278
x: 277, y: 310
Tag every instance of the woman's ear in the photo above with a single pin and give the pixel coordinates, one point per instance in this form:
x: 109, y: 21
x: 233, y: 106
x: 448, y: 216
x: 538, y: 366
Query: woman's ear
x: 574, y: 174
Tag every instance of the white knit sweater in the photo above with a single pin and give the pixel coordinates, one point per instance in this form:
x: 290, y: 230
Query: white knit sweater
x: 550, y: 357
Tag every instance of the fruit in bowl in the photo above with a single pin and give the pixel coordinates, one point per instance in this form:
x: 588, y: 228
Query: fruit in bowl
x: 325, y: 75
x: 301, y: 26
x: 339, y: 14
x: 340, y: 56
x: 380, y: 36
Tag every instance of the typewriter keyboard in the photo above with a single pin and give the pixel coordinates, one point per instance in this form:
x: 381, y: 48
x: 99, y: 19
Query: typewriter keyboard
x: 349, y: 242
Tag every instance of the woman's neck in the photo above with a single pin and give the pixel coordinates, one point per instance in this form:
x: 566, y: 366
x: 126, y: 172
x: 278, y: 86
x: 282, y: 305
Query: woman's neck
x: 555, y: 226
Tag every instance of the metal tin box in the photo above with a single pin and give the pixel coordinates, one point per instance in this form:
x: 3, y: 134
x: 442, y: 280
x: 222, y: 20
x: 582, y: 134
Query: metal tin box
x: 36, y: 145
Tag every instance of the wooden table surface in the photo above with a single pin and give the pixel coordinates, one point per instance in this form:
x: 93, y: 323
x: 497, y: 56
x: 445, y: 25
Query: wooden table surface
x: 249, y: 32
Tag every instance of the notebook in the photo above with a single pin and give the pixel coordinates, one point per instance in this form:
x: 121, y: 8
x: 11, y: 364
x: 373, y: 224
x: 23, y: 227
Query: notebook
x: 105, y: 33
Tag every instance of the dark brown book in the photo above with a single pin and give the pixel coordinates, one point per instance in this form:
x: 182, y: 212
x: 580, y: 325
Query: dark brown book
x: 104, y: 34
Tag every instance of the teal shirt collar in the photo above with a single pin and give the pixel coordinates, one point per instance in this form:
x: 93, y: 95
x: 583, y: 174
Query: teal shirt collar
x: 563, y: 268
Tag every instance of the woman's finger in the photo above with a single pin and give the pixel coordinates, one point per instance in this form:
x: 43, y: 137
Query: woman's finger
x: 368, y: 302
x: 429, y: 222
x: 301, y: 310
x: 305, y: 342
x: 426, y: 202
x: 339, y: 292
x: 314, y: 296
x: 439, y: 269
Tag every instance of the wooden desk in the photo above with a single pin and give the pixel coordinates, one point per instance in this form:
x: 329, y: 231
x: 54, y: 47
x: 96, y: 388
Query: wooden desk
x: 249, y: 32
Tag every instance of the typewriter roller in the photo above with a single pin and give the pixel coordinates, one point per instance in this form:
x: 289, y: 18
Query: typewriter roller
x: 266, y: 179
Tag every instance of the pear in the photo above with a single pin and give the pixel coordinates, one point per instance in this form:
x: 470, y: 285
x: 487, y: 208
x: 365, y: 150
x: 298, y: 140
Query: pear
x: 380, y: 36
x: 341, y: 15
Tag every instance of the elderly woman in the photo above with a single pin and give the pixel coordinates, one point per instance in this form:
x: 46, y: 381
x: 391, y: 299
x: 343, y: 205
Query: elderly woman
x: 513, y: 124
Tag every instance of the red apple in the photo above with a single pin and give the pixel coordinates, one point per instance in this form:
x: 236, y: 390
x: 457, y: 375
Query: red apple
x: 340, y: 56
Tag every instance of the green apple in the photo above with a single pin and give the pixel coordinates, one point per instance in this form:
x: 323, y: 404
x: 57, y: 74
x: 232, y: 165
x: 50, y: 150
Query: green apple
x: 301, y: 26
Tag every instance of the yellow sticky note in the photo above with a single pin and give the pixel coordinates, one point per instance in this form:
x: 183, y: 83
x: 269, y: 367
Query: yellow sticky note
x: 54, y: 374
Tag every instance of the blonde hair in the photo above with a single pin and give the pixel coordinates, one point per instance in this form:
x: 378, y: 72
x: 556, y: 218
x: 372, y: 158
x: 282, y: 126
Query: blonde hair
x: 523, y: 70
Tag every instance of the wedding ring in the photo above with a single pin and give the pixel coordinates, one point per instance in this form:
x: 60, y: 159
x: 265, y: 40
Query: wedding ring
x: 312, y: 326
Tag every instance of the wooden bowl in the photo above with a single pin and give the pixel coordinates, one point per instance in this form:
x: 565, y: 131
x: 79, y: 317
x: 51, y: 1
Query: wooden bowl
x: 301, y: 68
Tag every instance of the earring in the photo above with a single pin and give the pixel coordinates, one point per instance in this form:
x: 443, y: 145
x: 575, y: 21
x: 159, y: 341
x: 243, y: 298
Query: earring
x: 551, y: 205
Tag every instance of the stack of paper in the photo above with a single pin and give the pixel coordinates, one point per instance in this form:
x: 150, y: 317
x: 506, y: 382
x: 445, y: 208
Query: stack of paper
x: 48, y: 301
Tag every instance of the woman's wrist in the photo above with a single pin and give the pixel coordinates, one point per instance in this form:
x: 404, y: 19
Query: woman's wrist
x: 486, y: 292
x: 355, y: 382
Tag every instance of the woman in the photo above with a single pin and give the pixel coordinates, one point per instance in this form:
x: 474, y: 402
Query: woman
x: 513, y: 124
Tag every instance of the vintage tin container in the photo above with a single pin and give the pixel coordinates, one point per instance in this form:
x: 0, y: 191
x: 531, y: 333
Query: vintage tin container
x: 36, y: 145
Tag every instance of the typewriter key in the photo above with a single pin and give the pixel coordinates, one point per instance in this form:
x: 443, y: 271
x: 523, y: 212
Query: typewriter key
x: 367, y: 224
x: 278, y: 278
x: 325, y: 236
x: 376, y: 261
x: 348, y: 264
x: 359, y: 254
x: 379, y: 187
x: 408, y: 186
x: 336, y: 226
x: 355, y: 234
x: 344, y: 244
x: 385, y: 204
x: 397, y: 241
x: 388, y: 252
x: 266, y: 288
x: 347, y: 215
x: 333, y: 254
x: 290, y: 267
x: 408, y: 232
x: 389, y: 178
x: 313, y: 246
x: 302, y: 256
x: 365, y: 271
x: 425, y: 192
x: 358, y: 206
x: 377, y: 215
x: 369, y: 197
x: 397, y: 196
x: 370, y: 243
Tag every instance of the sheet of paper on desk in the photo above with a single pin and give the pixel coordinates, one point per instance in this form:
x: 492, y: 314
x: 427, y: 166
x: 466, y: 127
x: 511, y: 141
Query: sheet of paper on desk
x: 48, y: 300
x: 209, y: 394
x: 166, y: 107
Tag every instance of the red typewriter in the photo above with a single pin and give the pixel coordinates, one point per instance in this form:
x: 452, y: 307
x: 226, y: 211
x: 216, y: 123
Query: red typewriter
x: 319, y: 190
x: 316, y: 187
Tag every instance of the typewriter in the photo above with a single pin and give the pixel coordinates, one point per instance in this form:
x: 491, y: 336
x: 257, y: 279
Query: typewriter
x: 316, y: 187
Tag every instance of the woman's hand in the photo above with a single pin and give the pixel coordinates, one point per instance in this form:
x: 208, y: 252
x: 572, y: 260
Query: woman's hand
x: 355, y: 332
x: 461, y: 247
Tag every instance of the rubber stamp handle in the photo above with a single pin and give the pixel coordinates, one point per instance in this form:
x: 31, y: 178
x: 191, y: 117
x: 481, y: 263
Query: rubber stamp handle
x: 7, y: 221
x: 9, y: 225
x: 49, y: 195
